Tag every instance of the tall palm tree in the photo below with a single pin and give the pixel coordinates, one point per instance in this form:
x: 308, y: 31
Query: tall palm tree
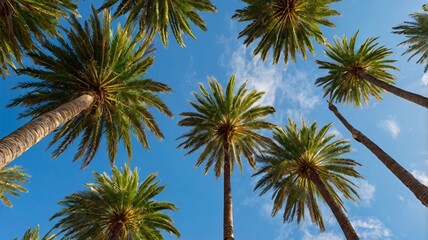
x: 355, y: 75
x: 416, y: 33
x: 11, y: 179
x: 306, y: 164
x: 93, y: 86
x: 155, y: 16
x: 116, y: 207
x: 417, y: 188
x: 21, y: 20
x: 224, y: 125
x: 285, y: 26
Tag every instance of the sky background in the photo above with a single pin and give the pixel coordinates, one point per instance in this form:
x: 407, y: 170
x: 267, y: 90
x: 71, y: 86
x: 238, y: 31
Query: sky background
x: 387, y: 210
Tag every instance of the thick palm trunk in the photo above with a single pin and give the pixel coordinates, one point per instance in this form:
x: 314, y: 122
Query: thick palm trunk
x: 412, y: 97
x: 227, y: 195
x: 117, y: 232
x: 418, y: 189
x: 344, y: 223
x: 19, y: 141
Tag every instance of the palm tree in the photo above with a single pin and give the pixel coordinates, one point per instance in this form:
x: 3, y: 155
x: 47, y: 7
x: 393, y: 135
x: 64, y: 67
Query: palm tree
x: 416, y: 33
x: 304, y: 165
x: 92, y: 86
x: 225, y: 125
x: 154, y: 16
x: 116, y: 207
x: 20, y: 20
x: 33, y: 234
x: 285, y: 26
x: 355, y: 75
x: 11, y: 179
x: 417, y: 188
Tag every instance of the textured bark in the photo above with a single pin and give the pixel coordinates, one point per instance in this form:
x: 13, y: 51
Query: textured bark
x: 227, y: 197
x: 417, y: 188
x: 344, y: 223
x: 19, y: 141
x: 412, y: 97
x: 117, y: 232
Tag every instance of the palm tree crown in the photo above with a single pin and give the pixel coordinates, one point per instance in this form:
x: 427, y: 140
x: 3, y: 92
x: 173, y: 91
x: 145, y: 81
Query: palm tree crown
x: 108, y: 66
x: 154, y: 16
x: 288, y: 164
x: 225, y: 118
x: 285, y: 26
x: 345, y: 82
x: 20, y: 20
x: 116, y: 207
x: 416, y: 33
x: 10, y: 180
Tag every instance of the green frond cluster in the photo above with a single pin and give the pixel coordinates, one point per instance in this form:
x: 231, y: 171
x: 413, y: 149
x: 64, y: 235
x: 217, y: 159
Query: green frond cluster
x: 417, y: 35
x: 286, y: 165
x: 33, y: 234
x: 11, y: 179
x: 109, y: 66
x: 345, y: 82
x: 155, y: 16
x: 284, y: 26
x: 117, y: 204
x: 23, y: 20
x: 222, y: 118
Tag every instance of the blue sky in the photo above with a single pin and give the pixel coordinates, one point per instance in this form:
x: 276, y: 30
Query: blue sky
x: 387, y: 210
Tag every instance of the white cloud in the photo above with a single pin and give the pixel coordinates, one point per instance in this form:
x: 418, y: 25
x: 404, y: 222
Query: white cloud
x: 421, y: 176
x: 335, y: 132
x: 366, y: 192
x: 290, y: 91
x: 424, y: 79
x: 321, y: 236
x: 391, y: 126
x: 401, y: 198
x: 371, y: 228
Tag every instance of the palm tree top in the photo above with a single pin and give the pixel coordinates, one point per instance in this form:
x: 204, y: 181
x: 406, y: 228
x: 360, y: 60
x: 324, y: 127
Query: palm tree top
x: 156, y: 16
x: 225, y: 118
x: 21, y: 20
x: 108, y: 66
x: 285, y: 27
x: 345, y: 82
x: 11, y: 179
x: 114, y: 204
x: 296, y: 154
x: 416, y: 33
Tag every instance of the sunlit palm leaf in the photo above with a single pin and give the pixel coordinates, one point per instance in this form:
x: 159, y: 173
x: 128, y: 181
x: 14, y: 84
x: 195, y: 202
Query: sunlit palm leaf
x: 344, y: 82
x: 119, y: 202
x: 11, y: 179
x: 225, y: 115
x: 22, y: 20
x: 156, y: 16
x: 111, y: 67
x: 284, y: 27
x: 285, y: 170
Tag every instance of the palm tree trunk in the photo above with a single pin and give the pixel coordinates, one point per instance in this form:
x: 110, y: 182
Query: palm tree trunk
x: 418, y: 189
x: 227, y: 197
x: 412, y: 97
x: 19, y: 141
x: 117, y: 232
x: 341, y: 218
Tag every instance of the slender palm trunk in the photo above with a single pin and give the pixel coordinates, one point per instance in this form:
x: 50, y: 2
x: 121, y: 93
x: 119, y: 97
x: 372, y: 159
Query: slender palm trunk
x: 227, y: 188
x: 341, y: 218
x: 19, y: 141
x: 418, y: 189
x: 117, y: 232
x: 412, y: 97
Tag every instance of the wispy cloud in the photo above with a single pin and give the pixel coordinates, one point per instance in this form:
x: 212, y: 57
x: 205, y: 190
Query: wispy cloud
x: 307, y: 235
x: 421, y: 176
x: 371, y: 228
x: 335, y: 132
x: 366, y: 192
x: 424, y: 79
x: 291, y: 91
x: 391, y: 126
